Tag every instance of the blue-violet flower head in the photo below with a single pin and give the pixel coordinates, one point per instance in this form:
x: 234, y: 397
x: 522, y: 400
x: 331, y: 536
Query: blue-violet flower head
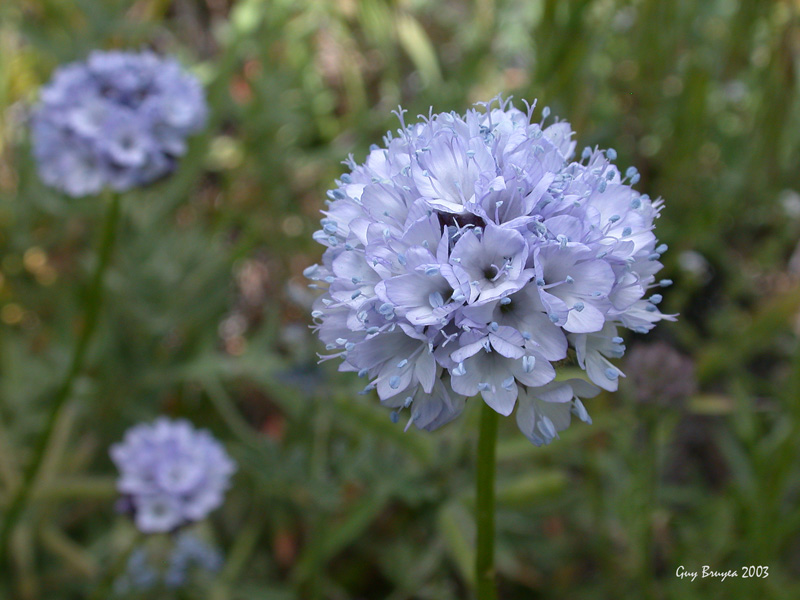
x: 468, y: 254
x: 171, y: 474
x: 168, y: 562
x: 117, y: 120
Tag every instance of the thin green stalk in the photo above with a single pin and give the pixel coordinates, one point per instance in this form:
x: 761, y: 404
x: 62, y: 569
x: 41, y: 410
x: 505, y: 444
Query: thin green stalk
x: 484, y: 513
x: 243, y: 547
x: 229, y: 413
x: 73, y: 554
x: 650, y: 500
x: 62, y: 394
x: 117, y: 567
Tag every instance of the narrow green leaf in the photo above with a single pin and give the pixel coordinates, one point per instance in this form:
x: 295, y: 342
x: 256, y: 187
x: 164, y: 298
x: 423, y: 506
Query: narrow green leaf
x: 457, y: 527
x: 376, y: 419
x: 337, y: 535
x: 419, y: 48
x: 531, y: 488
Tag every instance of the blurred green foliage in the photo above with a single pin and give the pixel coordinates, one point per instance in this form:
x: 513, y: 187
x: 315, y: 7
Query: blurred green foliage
x: 206, y: 306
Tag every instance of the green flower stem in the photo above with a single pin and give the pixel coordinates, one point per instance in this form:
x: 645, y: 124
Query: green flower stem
x: 484, y: 510
x: 116, y: 569
x: 243, y: 546
x: 62, y: 394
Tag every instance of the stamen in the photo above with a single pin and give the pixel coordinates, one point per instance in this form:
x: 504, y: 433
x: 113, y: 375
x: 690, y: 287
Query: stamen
x: 528, y: 363
x: 579, y: 410
x: 436, y: 300
x: 547, y: 428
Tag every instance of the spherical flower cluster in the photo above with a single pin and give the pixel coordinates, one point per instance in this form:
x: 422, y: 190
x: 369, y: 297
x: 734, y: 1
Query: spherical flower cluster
x: 171, y: 474
x: 470, y: 253
x: 118, y: 120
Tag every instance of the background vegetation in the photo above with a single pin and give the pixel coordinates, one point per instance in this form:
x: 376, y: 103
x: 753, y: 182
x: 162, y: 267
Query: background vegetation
x: 694, y: 462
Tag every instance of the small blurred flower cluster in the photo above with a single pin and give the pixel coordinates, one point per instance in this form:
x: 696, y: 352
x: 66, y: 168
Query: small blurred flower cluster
x: 171, y: 474
x: 470, y: 252
x: 661, y: 375
x: 187, y: 557
x: 118, y: 120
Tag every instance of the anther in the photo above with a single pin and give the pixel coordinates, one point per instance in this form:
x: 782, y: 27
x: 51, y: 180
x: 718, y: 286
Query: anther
x: 528, y: 363
x: 435, y: 300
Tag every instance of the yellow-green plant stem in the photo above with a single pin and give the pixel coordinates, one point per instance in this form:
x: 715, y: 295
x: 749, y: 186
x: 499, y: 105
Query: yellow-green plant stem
x: 93, y: 301
x: 484, y: 506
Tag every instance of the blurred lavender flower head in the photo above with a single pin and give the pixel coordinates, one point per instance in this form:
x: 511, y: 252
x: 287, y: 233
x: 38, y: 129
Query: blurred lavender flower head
x: 186, y: 558
x: 171, y: 473
x: 190, y: 553
x: 470, y: 252
x: 118, y: 120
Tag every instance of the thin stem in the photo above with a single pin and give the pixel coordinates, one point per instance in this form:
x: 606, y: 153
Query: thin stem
x: 243, y: 547
x: 650, y: 499
x: 484, y: 514
x: 62, y: 394
x: 229, y: 413
x: 116, y: 568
